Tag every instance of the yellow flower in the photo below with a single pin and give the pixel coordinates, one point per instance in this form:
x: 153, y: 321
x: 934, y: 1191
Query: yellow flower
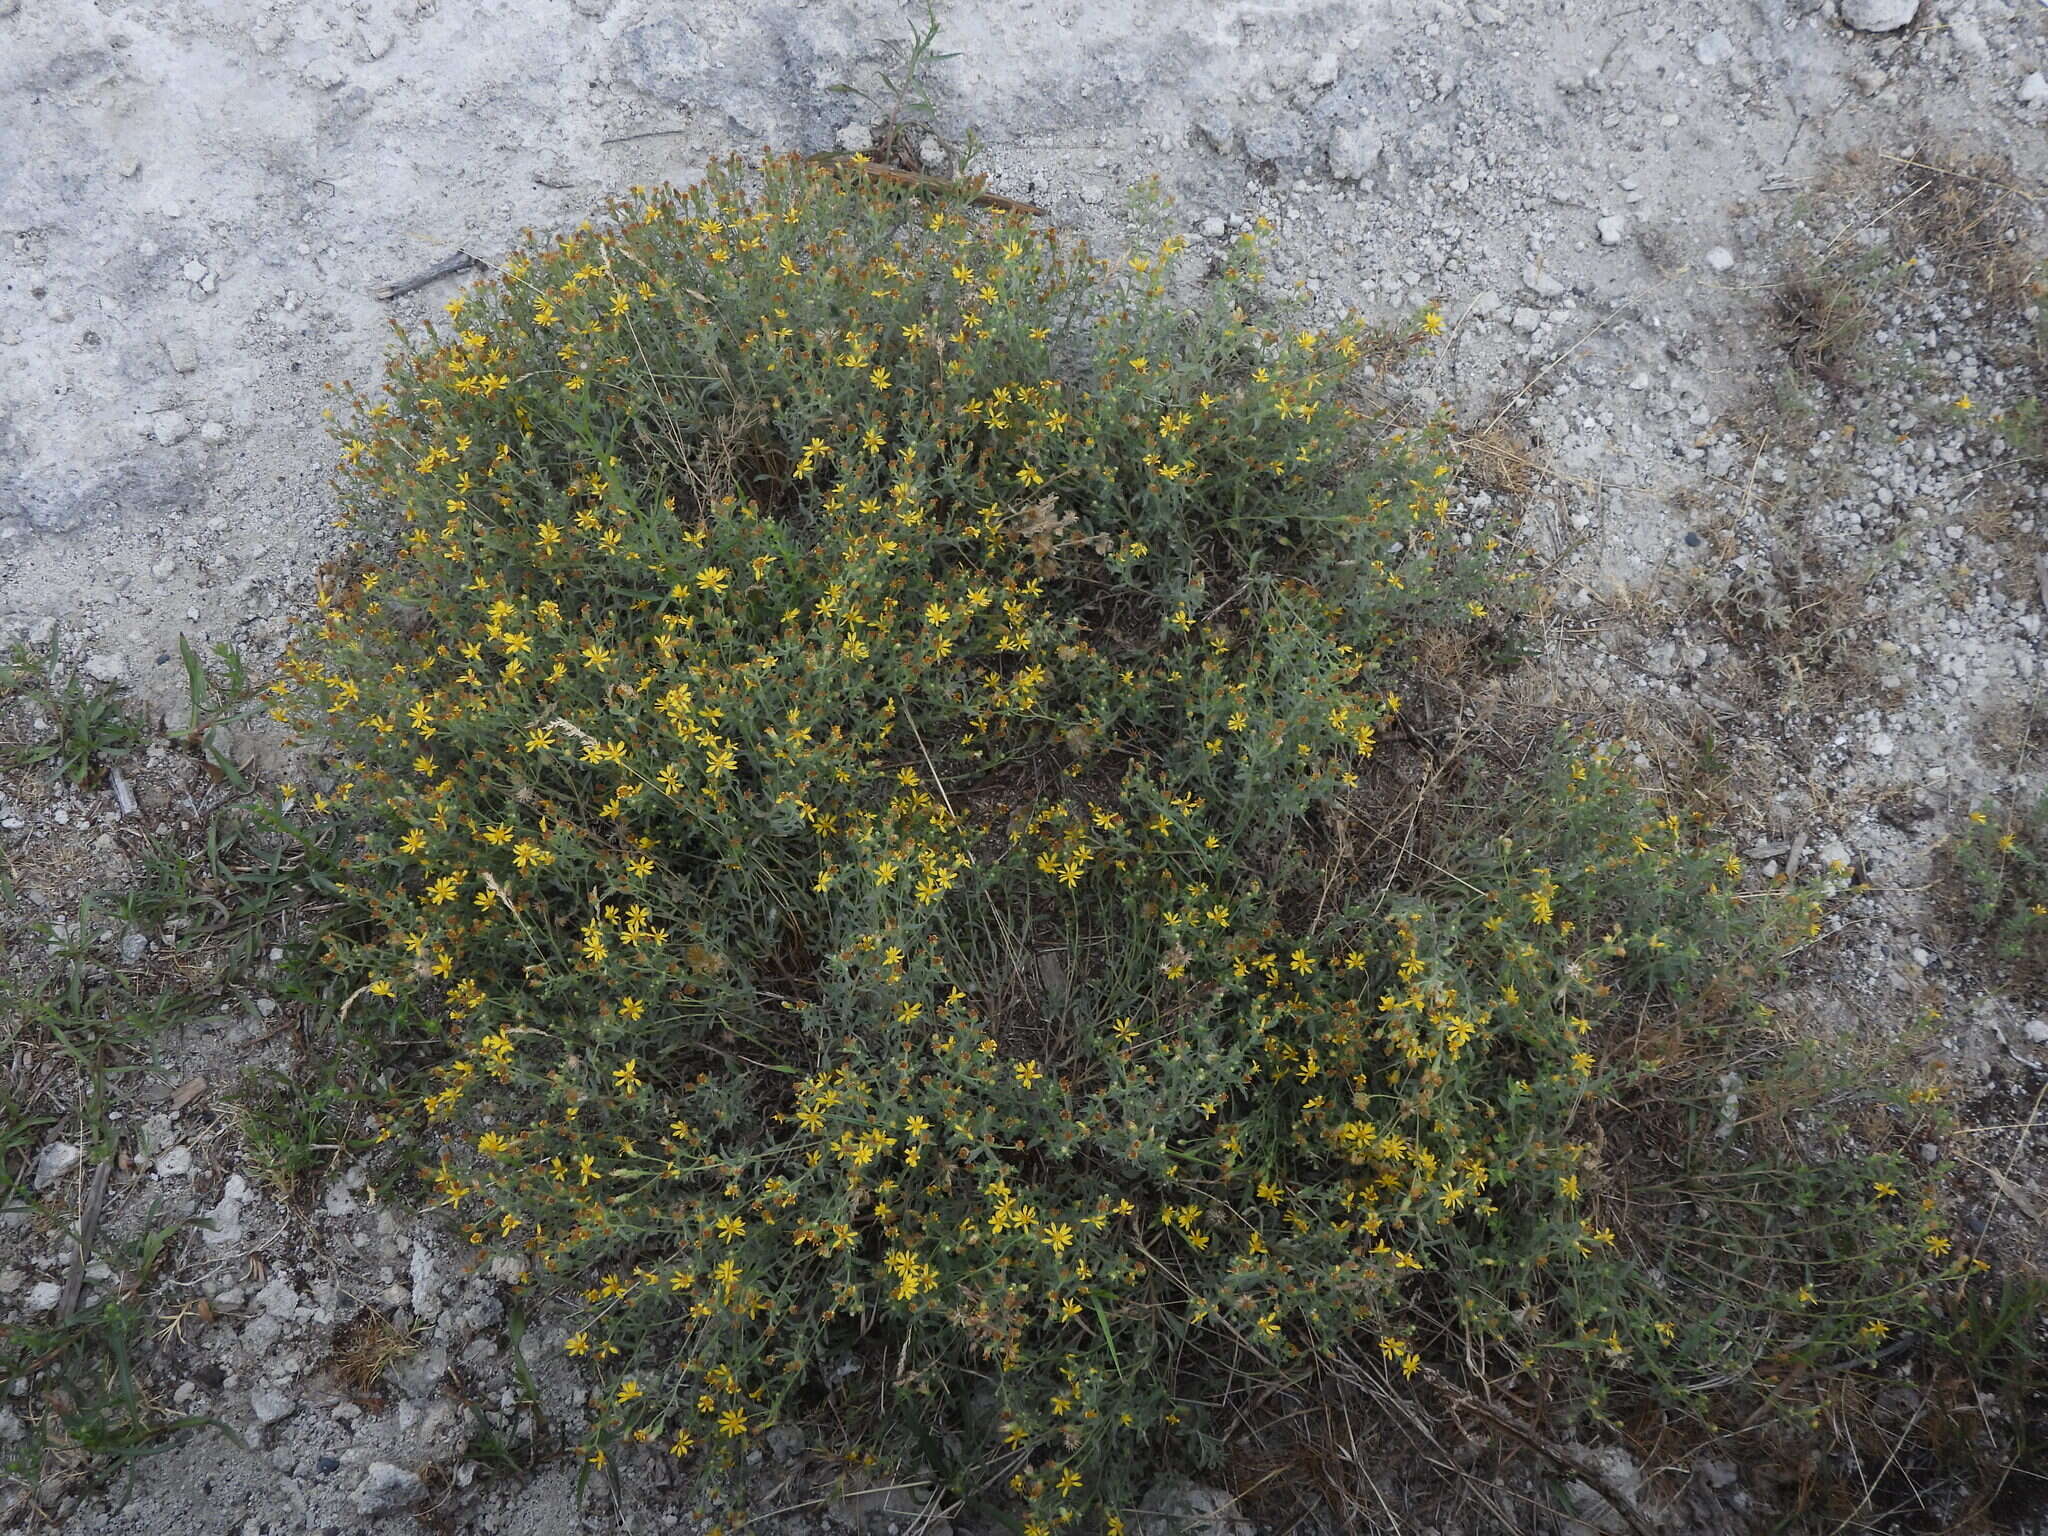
x: 714, y: 578
x: 732, y: 1423
x: 1027, y: 1073
x: 628, y: 1078
x: 595, y: 657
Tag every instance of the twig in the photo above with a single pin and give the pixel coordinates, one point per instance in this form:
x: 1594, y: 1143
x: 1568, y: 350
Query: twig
x: 790, y: 1509
x: 348, y: 1003
x: 651, y: 133
x: 1009, y: 943
x: 1538, y: 377
x: 448, y: 266
x: 971, y: 185
x: 1849, y: 229
x: 1961, y: 175
x: 1563, y: 1457
x: 88, y: 1229
x: 124, y: 796
x: 2004, y: 1183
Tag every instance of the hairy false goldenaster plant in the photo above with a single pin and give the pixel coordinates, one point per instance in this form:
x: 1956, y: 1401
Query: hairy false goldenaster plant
x: 861, y: 721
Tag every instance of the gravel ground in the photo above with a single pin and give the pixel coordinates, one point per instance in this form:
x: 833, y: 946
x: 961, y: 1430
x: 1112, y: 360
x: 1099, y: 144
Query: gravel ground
x: 1832, y: 581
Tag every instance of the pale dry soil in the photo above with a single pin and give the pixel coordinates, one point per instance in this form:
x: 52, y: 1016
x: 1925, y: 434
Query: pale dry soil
x: 1810, y: 602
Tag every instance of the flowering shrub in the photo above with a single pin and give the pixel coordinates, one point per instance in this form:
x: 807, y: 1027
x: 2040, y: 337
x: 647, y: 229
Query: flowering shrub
x: 864, y: 753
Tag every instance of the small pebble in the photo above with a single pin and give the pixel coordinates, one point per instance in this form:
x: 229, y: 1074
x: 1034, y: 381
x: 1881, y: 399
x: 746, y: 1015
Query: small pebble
x: 269, y: 1407
x: 1879, y: 15
x: 53, y: 1162
x: 1715, y: 48
x: 387, y: 1488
